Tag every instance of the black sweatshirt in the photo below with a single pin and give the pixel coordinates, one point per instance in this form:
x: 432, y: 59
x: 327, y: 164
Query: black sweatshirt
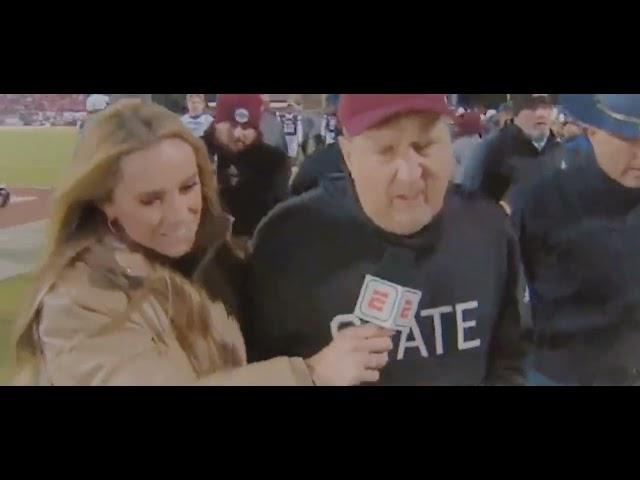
x: 509, y: 158
x: 313, y: 252
x: 579, y: 234
x: 251, y: 182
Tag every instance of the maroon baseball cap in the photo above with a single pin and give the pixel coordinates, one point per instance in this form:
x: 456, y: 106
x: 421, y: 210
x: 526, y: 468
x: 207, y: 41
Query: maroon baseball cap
x: 240, y: 108
x: 360, y: 112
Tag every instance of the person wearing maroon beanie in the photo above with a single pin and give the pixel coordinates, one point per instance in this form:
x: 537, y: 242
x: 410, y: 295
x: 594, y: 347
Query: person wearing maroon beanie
x: 253, y: 177
x: 391, y: 243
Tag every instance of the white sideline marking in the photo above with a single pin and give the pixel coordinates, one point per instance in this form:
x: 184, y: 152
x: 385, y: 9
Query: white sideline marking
x: 21, y: 199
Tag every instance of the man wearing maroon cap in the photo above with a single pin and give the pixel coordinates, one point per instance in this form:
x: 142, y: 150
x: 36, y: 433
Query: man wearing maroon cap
x: 391, y: 244
x: 253, y: 177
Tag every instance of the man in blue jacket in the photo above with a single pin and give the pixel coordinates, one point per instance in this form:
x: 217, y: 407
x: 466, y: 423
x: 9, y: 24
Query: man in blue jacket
x: 390, y: 244
x: 518, y: 153
x: 576, y: 142
x: 579, y: 233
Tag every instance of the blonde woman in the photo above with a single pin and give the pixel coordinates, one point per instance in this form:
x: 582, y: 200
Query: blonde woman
x: 135, y: 224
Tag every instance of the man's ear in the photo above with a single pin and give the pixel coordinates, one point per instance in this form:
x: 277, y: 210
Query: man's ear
x: 345, y: 146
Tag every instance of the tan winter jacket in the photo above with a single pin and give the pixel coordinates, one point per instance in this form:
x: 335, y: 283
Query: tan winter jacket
x: 112, y: 318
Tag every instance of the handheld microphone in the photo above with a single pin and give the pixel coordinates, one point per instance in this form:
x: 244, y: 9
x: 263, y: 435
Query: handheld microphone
x: 387, y: 304
x: 383, y: 300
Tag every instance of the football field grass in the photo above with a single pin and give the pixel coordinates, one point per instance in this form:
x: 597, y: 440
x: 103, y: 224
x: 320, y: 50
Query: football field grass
x: 29, y: 157
x: 11, y: 297
x: 34, y: 157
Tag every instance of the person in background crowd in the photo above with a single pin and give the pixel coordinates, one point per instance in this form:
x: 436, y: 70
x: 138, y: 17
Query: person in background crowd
x: 576, y: 141
x: 505, y: 114
x: 143, y: 97
x: 321, y: 164
x: 253, y: 177
x: 293, y: 131
x: 490, y: 123
x: 329, y: 129
x: 388, y: 244
x: 116, y: 304
x: 5, y: 196
x: 311, y: 117
x: 468, y: 134
x: 196, y: 120
x: 490, y: 113
x: 95, y: 104
x: 520, y: 152
x: 579, y: 234
x: 271, y: 127
x: 557, y: 124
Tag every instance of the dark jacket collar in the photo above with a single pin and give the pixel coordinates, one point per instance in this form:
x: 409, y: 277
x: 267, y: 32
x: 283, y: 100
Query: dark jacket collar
x: 516, y: 135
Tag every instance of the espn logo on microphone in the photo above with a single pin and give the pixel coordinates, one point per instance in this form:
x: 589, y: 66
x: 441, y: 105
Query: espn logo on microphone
x: 387, y: 304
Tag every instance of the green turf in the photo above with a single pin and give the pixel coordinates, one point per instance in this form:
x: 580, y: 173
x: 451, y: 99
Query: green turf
x: 35, y: 157
x: 29, y: 157
x: 12, y: 294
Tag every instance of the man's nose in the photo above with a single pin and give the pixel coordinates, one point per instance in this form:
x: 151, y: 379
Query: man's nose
x: 636, y: 150
x: 237, y: 132
x: 176, y: 208
x: 409, y: 167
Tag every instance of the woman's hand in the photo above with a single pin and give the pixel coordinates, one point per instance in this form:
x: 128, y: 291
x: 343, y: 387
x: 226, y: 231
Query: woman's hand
x: 354, y: 356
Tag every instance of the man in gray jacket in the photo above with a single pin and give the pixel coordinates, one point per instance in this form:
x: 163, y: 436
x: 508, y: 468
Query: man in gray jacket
x: 271, y: 127
x: 468, y: 135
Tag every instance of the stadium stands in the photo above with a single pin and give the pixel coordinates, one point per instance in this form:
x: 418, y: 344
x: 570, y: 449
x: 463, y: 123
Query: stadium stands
x: 41, y: 109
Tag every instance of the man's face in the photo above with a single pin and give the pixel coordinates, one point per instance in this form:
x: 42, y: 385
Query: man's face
x: 617, y: 156
x: 535, y: 121
x: 195, y: 105
x: 234, y: 136
x: 401, y: 170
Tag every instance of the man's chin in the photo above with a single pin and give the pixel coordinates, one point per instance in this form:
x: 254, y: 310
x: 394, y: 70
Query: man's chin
x: 631, y: 180
x: 542, y: 134
x: 239, y: 147
x: 411, y: 224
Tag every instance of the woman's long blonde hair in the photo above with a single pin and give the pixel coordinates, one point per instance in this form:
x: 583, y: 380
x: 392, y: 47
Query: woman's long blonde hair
x: 127, y: 127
